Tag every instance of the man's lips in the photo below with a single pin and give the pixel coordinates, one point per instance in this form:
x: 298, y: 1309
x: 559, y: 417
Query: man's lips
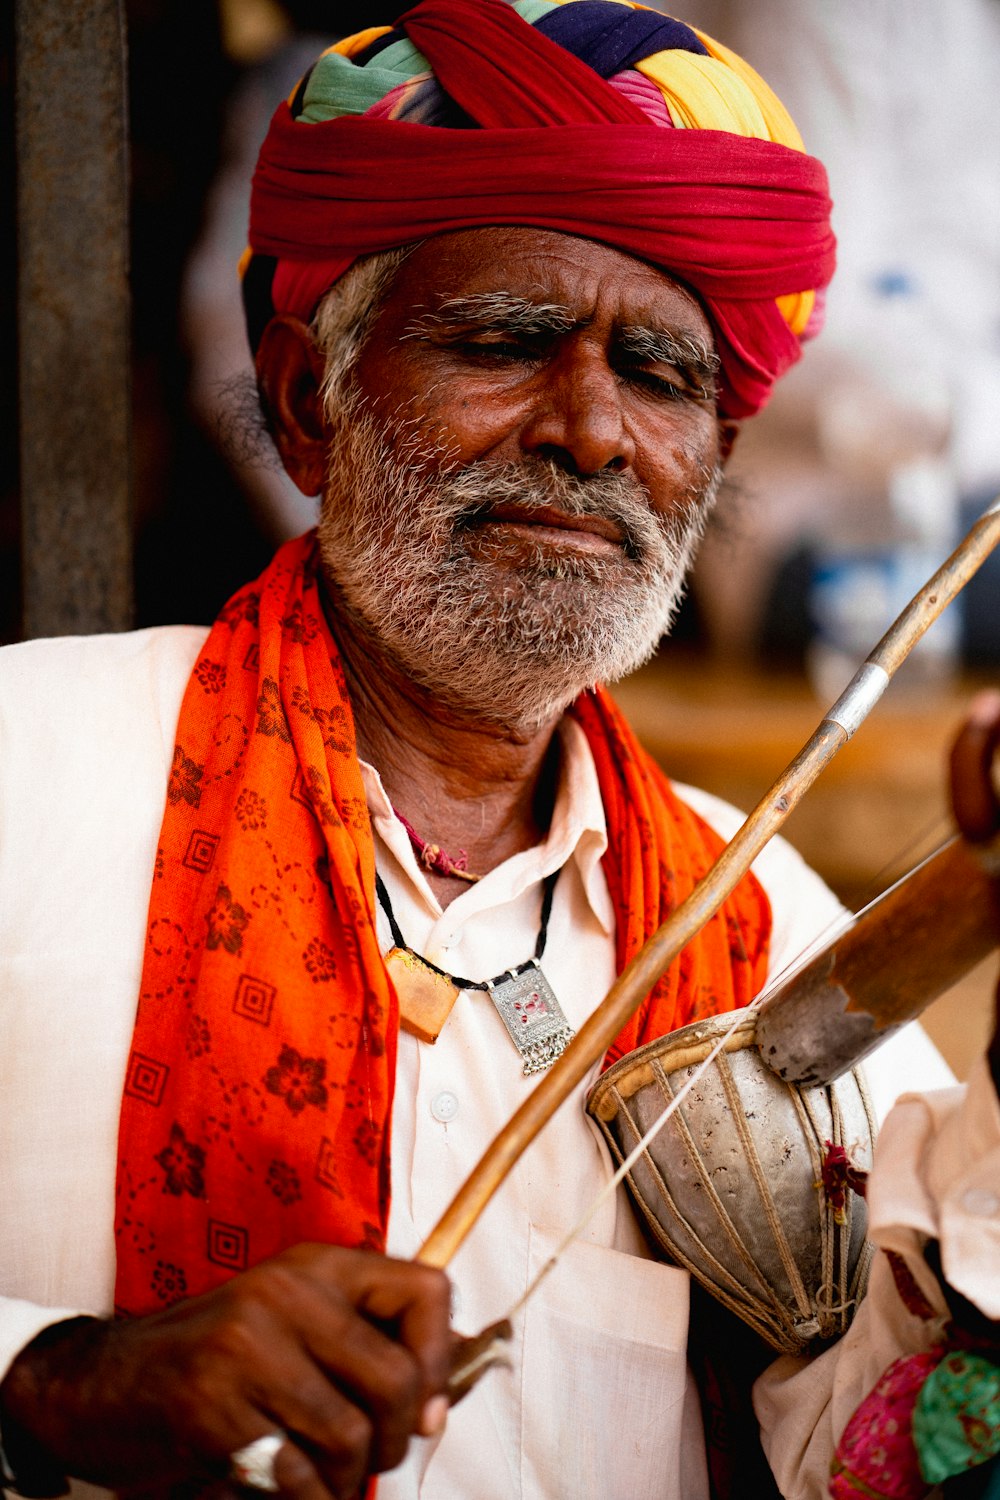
x: 541, y: 521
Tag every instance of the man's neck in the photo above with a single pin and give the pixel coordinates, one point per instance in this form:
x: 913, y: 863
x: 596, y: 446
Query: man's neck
x: 462, y: 783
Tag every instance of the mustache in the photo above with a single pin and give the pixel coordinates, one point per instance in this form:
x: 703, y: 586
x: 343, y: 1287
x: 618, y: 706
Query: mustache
x: 472, y: 493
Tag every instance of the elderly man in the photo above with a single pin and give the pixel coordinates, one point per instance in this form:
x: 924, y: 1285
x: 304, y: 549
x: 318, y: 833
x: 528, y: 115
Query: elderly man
x: 510, y: 360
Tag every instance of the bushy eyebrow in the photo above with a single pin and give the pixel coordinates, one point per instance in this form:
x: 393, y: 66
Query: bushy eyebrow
x: 501, y: 312
x: 692, y: 355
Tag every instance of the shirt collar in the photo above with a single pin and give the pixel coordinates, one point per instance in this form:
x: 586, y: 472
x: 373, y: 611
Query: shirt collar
x: 578, y: 833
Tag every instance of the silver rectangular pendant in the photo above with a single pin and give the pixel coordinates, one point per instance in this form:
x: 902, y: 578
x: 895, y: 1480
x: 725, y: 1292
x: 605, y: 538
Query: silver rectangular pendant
x: 533, y: 1017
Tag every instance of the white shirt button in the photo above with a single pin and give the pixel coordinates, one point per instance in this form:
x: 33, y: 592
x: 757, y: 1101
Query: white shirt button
x: 444, y: 1106
x: 981, y: 1202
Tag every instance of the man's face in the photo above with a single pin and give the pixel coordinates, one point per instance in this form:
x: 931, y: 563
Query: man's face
x: 520, y: 466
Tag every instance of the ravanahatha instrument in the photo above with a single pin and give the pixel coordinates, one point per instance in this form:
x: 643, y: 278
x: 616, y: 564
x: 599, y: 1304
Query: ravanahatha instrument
x: 628, y: 991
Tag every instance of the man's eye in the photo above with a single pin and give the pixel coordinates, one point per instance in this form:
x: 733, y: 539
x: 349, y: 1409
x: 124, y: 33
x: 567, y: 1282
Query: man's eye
x: 495, y: 346
x: 669, y: 383
x: 660, y: 381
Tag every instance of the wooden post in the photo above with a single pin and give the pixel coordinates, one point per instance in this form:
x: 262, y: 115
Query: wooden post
x: 73, y: 316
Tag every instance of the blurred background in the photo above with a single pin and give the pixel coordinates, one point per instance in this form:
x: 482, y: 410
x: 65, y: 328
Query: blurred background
x: 875, y: 454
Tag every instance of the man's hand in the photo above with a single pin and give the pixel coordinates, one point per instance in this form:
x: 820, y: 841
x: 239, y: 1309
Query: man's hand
x: 976, y: 803
x: 345, y: 1350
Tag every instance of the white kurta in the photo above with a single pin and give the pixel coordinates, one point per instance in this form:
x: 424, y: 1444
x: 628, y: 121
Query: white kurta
x: 86, y: 741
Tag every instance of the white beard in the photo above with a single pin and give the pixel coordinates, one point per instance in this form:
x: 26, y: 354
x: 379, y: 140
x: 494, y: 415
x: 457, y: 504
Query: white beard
x: 513, y: 646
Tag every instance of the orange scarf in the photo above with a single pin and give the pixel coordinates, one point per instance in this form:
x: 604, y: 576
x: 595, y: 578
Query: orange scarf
x: 259, y: 1088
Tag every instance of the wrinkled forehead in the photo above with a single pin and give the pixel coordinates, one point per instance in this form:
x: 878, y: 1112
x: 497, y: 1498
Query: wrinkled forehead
x: 520, y: 277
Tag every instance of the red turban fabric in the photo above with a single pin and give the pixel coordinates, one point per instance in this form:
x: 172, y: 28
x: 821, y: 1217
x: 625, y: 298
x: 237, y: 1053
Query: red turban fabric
x: 740, y: 220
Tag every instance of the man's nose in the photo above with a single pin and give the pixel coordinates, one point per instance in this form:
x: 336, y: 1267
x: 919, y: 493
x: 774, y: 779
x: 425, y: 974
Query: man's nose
x: 578, y: 422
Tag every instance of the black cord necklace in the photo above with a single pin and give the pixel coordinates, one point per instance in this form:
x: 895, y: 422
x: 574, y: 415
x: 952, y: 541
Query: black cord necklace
x: 523, y: 996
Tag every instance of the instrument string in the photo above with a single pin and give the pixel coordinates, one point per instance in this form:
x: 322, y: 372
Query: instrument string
x: 630, y: 1160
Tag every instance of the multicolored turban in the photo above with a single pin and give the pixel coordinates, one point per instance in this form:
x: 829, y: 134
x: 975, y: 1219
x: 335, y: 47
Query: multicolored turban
x: 597, y: 118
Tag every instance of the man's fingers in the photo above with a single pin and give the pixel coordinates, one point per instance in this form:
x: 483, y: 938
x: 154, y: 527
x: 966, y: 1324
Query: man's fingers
x: 299, y: 1477
x: 416, y: 1304
x: 341, y: 1349
x: 390, y: 1351
x: 363, y: 1401
x: 408, y: 1302
x: 368, y: 1352
x: 973, y: 795
x: 433, y: 1416
x: 331, y: 1459
x: 346, y: 1350
x: 976, y: 803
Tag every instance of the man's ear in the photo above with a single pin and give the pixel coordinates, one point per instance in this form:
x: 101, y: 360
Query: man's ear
x: 729, y: 431
x: 290, y: 374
